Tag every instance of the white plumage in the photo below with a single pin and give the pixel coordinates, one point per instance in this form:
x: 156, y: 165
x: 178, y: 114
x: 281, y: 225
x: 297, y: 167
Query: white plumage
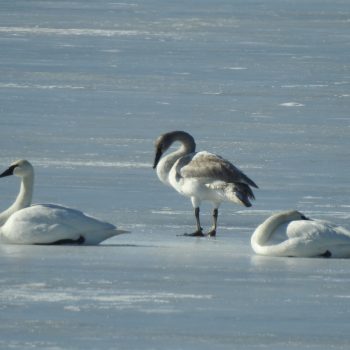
x: 23, y: 223
x: 290, y: 233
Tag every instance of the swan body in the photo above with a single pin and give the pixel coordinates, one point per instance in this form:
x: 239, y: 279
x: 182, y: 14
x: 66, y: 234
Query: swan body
x: 23, y: 223
x: 201, y: 176
x: 291, y: 234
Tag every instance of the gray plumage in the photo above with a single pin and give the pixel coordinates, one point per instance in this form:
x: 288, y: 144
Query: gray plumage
x: 208, y: 165
x: 201, y: 175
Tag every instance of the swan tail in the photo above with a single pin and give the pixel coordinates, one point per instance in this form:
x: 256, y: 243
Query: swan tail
x: 239, y: 193
x: 91, y: 238
x: 120, y: 232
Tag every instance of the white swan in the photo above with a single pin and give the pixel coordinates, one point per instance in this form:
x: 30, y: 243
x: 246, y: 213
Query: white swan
x: 200, y: 176
x: 47, y: 223
x: 290, y: 233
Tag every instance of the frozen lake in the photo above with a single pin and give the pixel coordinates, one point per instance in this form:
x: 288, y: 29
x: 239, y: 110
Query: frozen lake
x: 87, y: 86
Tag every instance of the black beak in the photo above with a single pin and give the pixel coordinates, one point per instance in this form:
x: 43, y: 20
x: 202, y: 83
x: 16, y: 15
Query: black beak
x: 157, y: 157
x: 303, y: 217
x: 9, y: 171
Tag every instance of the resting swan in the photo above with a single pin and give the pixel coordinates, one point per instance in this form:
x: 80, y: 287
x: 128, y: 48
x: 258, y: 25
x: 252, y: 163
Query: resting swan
x: 22, y: 223
x: 202, y: 176
x: 291, y: 234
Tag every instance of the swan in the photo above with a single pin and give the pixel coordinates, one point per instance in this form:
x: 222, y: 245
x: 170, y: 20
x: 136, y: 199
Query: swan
x: 23, y: 223
x: 202, y: 176
x: 291, y: 234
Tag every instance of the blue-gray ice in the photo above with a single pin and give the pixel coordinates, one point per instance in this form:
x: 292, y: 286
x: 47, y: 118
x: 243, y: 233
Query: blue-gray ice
x: 86, y: 87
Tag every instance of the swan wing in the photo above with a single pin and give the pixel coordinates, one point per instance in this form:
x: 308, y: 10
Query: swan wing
x: 309, y: 238
x: 47, y: 223
x: 211, y: 166
x: 317, y: 230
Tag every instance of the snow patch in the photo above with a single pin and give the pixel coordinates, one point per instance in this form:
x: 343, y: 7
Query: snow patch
x: 291, y: 104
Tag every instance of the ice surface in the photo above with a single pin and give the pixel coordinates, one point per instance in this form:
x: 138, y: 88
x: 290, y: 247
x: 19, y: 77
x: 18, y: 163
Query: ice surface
x: 86, y: 87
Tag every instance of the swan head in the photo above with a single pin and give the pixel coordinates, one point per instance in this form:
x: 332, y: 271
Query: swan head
x: 294, y: 215
x: 163, y: 143
x: 20, y: 168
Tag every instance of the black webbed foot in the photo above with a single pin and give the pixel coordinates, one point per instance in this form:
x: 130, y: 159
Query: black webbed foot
x: 198, y: 233
x: 211, y: 233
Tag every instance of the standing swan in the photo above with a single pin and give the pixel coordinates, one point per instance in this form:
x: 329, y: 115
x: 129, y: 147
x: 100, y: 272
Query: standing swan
x: 290, y: 234
x: 47, y: 223
x: 200, y: 176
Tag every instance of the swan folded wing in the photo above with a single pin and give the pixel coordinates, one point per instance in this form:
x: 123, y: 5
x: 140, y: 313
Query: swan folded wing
x: 233, y: 191
x: 76, y: 219
x: 211, y: 166
x: 317, y: 230
x: 45, y: 224
x: 336, y: 246
x: 42, y: 233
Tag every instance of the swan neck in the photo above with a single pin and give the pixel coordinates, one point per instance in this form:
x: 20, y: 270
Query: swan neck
x: 266, y: 229
x: 167, y: 162
x: 23, y: 199
x: 187, y: 145
x: 187, y: 142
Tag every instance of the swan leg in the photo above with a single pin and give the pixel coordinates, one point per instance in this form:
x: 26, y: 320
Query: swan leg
x: 198, y: 232
x: 212, y: 232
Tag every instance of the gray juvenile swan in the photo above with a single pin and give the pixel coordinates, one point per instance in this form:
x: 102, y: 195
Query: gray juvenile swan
x: 202, y: 176
x: 291, y: 234
x: 23, y: 223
